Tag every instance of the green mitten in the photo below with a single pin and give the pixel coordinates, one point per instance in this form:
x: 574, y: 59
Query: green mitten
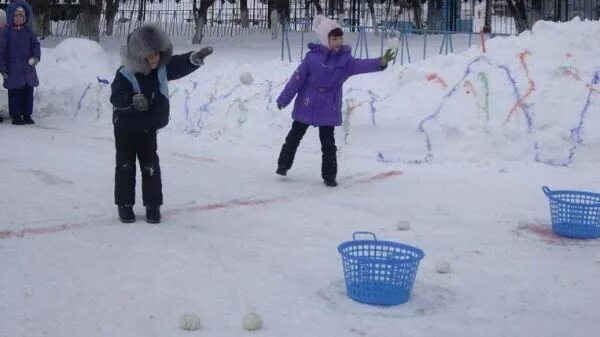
x: 387, y: 57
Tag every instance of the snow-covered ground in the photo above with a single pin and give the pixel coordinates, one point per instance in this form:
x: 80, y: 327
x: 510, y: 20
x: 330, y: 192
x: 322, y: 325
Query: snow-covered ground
x: 459, y: 146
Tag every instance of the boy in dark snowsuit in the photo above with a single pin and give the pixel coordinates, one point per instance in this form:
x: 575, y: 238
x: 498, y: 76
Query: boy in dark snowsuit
x: 140, y: 102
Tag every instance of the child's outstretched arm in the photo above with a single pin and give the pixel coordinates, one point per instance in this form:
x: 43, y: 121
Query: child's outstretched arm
x: 184, y: 64
x: 363, y: 66
x: 294, y: 84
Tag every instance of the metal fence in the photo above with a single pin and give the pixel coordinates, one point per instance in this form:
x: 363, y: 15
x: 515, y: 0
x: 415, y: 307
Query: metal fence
x: 224, y: 19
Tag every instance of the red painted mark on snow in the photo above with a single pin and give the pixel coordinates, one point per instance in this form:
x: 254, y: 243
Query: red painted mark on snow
x: 436, y: 79
x: 254, y: 202
x: 545, y: 233
x: 380, y: 176
x: 570, y: 73
x: 482, y: 37
x: 530, y: 89
x: 220, y: 205
x: 7, y: 234
x: 401, y: 73
x: 569, y: 55
x: 470, y: 90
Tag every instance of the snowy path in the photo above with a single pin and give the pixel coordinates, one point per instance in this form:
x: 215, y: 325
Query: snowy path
x: 236, y: 237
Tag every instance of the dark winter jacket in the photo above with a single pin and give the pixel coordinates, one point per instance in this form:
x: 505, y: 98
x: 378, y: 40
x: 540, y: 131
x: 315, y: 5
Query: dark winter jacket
x: 17, y: 46
x: 140, y: 43
x: 318, y: 83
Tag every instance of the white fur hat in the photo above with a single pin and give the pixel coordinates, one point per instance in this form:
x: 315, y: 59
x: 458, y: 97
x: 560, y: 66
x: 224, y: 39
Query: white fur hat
x: 2, y: 17
x: 323, y: 26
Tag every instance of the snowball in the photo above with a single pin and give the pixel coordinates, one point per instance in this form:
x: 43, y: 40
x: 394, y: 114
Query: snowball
x: 189, y: 322
x: 403, y: 225
x: 246, y: 78
x: 442, y: 267
x: 393, y: 43
x: 252, y: 321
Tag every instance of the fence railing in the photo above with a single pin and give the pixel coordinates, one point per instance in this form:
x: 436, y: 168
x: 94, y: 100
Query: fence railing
x: 224, y: 18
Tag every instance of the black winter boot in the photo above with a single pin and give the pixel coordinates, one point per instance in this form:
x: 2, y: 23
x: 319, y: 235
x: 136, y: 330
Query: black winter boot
x: 153, y: 214
x: 18, y: 121
x: 330, y: 182
x: 1, y: 119
x: 27, y: 119
x: 126, y: 214
x: 281, y: 171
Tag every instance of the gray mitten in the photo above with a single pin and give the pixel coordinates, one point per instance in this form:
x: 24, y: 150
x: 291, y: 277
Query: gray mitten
x: 197, y: 57
x: 140, y: 102
x: 4, y: 75
x: 33, y: 61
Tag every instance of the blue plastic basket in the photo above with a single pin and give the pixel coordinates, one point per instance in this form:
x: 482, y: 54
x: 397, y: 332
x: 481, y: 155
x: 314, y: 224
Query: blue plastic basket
x: 379, y: 272
x: 574, y: 214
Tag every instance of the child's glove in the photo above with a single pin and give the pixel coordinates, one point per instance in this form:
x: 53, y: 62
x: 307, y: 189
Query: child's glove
x: 33, y: 61
x: 197, y: 57
x: 4, y: 75
x: 387, y: 57
x: 279, y: 106
x: 140, y: 102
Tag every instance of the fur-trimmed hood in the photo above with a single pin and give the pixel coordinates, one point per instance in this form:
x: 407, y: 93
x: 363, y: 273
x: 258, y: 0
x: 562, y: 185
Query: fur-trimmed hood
x: 324, y: 26
x: 13, y: 7
x: 143, y: 41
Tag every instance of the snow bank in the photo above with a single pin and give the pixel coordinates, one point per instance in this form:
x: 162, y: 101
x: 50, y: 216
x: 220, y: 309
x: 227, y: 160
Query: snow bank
x: 530, y: 97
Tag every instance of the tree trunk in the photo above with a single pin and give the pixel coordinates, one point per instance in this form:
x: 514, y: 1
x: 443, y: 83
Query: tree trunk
x: 331, y: 7
x: 244, y: 14
x: 487, y: 26
x: 279, y: 14
x: 112, y: 8
x: 536, y: 13
x: 373, y: 17
x: 317, y: 5
x: 88, y: 21
x: 517, y: 10
x: 340, y: 11
x: 435, y: 15
x: 274, y: 24
x: 418, y: 13
x: 142, y: 11
x: 41, y: 17
x: 201, y: 16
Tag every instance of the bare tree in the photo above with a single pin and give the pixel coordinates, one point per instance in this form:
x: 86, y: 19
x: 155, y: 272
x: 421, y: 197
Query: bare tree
x: 279, y: 15
x: 519, y: 14
x: 435, y: 15
x: 200, y: 16
x: 41, y: 17
x: 317, y: 5
x: 487, y: 26
x: 417, y: 6
x: 112, y: 7
x: 88, y: 21
x: 244, y: 14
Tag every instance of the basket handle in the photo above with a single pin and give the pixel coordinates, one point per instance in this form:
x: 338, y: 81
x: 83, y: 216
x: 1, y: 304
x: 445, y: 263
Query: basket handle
x: 546, y: 190
x: 364, y: 233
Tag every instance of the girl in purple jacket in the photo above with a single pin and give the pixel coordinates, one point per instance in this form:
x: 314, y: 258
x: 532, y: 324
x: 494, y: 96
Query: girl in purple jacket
x: 19, y: 54
x: 317, y: 85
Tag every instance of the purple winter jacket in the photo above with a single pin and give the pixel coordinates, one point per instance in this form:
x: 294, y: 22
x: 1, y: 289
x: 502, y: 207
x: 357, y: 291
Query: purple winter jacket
x: 318, y: 83
x: 16, y: 47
